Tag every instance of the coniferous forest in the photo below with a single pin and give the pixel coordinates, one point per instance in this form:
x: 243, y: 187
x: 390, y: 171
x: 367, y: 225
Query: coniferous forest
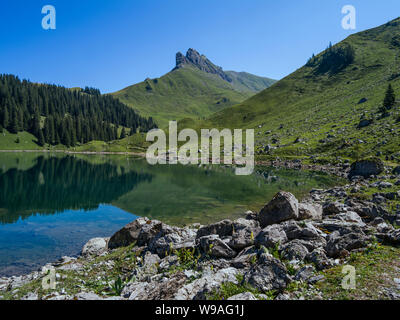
x: 58, y: 115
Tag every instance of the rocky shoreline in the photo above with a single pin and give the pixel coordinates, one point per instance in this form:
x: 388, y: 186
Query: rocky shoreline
x: 278, y: 253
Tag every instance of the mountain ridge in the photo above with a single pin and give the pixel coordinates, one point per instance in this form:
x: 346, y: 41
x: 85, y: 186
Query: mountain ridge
x: 194, y: 88
x: 317, y: 109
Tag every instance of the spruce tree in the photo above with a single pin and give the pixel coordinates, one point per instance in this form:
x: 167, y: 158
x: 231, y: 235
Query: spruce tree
x: 41, y: 141
x: 390, y: 98
x: 123, y: 134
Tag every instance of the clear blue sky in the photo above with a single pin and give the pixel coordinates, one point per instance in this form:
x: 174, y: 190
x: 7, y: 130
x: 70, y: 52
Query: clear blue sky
x: 113, y: 44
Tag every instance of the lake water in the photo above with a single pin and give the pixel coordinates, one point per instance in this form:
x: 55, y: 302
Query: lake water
x: 50, y: 205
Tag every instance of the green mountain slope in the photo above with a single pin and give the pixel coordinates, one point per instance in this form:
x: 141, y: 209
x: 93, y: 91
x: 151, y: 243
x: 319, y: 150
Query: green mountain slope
x: 245, y: 82
x: 195, y: 88
x: 317, y: 109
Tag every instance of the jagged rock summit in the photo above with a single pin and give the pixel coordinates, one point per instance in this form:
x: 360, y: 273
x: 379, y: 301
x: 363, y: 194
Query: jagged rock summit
x: 194, y: 58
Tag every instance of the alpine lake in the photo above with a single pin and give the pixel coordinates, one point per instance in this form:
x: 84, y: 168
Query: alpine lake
x: 52, y: 204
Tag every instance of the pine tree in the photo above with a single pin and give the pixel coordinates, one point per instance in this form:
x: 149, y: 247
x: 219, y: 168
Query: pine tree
x: 5, y: 118
x: 14, y: 126
x: 41, y: 141
x: 390, y: 98
x: 123, y: 134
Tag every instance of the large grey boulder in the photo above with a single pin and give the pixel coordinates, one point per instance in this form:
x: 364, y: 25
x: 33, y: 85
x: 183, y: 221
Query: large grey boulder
x: 304, y: 231
x: 332, y: 208
x: 94, y: 247
x: 268, y: 274
x: 213, y: 246
x: 128, y: 234
x: 151, y: 230
x: 284, y: 206
x: 198, y: 289
x: 244, y: 233
x: 339, y: 245
x: 310, y: 211
x: 245, y: 258
x: 168, y: 240
x: 223, y: 229
x: 319, y: 259
x: 271, y: 236
x: 294, y: 250
x: 366, y: 168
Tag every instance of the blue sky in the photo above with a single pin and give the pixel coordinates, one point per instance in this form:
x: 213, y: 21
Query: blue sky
x: 113, y: 44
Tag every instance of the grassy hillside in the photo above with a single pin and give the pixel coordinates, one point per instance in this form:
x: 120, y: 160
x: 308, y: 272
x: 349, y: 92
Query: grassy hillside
x: 186, y: 92
x: 245, y: 82
x: 20, y: 141
x: 322, y: 109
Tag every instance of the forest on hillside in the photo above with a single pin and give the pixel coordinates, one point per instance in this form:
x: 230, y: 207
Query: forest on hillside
x: 57, y: 115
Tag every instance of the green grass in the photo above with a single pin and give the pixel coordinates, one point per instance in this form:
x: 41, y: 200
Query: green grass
x: 312, y: 106
x: 187, y: 93
x: 20, y: 141
x: 376, y: 269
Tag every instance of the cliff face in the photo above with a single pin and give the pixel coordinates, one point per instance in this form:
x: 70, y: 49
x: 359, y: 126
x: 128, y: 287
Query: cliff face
x: 201, y: 62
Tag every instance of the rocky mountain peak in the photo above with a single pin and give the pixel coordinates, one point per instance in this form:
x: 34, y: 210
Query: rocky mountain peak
x: 201, y: 62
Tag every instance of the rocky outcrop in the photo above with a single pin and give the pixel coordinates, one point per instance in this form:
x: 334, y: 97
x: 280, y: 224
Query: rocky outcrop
x: 195, y: 59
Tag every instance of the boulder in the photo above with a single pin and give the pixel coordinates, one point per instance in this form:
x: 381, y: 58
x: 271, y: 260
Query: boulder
x: 245, y: 258
x: 150, y: 230
x: 310, y: 211
x: 169, y: 240
x: 199, y: 288
x: 271, y: 236
x: 95, y: 247
x: 294, y: 250
x: 319, y: 258
x: 128, y: 234
x: 364, y: 123
x: 244, y: 233
x: 366, y: 168
x: 215, y: 247
x: 339, y: 245
x: 268, y: 274
x: 332, y: 208
x: 396, y: 170
x: 304, y: 273
x: 223, y: 229
x: 284, y: 206
x: 303, y: 231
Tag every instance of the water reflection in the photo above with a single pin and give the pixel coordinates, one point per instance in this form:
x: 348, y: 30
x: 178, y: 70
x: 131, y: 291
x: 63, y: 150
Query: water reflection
x: 56, y: 184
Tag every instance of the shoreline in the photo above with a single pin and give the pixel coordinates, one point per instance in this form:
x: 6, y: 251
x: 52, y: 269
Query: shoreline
x: 260, y: 257
x: 295, y: 164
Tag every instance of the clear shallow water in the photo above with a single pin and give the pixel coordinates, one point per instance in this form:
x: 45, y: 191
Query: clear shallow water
x: 50, y: 205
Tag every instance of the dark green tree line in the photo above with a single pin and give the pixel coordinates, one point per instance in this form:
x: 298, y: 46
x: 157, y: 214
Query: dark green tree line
x: 54, y: 114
